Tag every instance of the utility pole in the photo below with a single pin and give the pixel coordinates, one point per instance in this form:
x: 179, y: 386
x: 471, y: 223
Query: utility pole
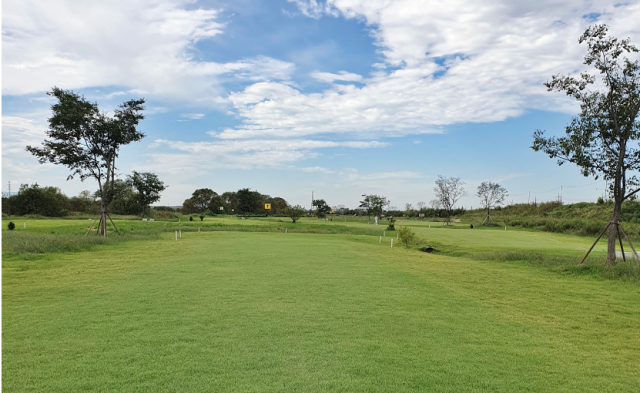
x: 9, y: 196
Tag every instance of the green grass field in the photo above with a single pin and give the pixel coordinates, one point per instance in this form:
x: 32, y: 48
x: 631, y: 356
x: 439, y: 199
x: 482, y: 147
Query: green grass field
x: 243, y: 306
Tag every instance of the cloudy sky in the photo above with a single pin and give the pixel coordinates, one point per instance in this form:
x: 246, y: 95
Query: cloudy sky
x: 339, y: 97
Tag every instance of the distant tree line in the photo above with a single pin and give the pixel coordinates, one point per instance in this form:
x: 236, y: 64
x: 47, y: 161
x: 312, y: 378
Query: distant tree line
x: 48, y: 202
x: 244, y: 202
x: 131, y: 196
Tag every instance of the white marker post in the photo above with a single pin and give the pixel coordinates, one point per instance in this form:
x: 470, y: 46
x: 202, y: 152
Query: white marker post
x: 397, y: 236
x: 286, y: 230
x: 380, y: 241
x: 505, y: 227
x: 25, y: 225
x: 176, y: 235
x: 391, y: 242
x: 181, y: 234
x: 384, y: 233
x: 429, y: 225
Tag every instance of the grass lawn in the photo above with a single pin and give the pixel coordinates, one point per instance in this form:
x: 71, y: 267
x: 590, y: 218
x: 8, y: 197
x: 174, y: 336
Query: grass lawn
x: 238, y: 311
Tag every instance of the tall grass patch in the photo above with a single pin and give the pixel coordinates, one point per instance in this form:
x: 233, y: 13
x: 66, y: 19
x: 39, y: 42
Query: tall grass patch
x: 568, y: 264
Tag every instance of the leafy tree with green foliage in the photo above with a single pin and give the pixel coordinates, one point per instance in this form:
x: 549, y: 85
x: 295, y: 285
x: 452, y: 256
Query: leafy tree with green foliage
x: 230, y: 201
x: 201, y: 198
x: 375, y: 204
x: 215, y: 204
x: 124, y: 198
x: 84, y: 202
x: 294, y: 212
x: 88, y: 141
x: 148, y: 188
x: 248, y: 201
x: 490, y: 194
x: 602, y: 139
x: 321, y: 208
x: 277, y: 204
x: 34, y: 199
x: 448, y: 191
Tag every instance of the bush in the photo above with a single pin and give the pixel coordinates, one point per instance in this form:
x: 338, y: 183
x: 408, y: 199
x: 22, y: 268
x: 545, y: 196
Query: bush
x: 294, y: 212
x: 190, y: 218
x: 392, y: 224
x: 406, y: 236
x: 201, y: 217
x: 12, y: 226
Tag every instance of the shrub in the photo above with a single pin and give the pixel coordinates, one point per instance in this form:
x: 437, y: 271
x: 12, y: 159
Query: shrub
x: 12, y: 226
x: 406, y: 236
x: 392, y: 224
x: 190, y: 218
x: 294, y: 212
x: 201, y: 217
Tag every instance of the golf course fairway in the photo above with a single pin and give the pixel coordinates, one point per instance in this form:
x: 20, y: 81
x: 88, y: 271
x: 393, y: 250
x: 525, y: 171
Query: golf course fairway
x: 273, y: 312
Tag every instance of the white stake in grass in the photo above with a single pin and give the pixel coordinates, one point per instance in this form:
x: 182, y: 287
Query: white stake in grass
x: 25, y: 225
x: 380, y: 241
x: 384, y: 233
x: 180, y: 234
x: 176, y: 235
x: 286, y: 230
x: 391, y: 242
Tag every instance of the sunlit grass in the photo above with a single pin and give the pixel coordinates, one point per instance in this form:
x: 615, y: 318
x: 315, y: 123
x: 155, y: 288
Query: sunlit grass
x: 236, y: 311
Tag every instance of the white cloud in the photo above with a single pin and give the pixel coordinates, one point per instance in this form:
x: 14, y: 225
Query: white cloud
x: 242, y: 154
x: 445, y: 62
x: 18, y: 132
x: 340, y: 76
x: 18, y: 165
x: 146, y: 46
x: 312, y: 169
x: 192, y: 116
x: 314, y: 8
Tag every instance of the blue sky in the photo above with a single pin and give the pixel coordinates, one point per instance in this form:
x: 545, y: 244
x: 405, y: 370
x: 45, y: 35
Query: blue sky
x: 342, y: 98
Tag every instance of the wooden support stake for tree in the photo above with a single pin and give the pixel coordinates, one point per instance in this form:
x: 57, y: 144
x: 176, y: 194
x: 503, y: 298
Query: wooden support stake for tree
x: 112, y: 223
x: 630, y: 244
x: 91, y: 227
x: 99, y: 225
x: 624, y: 258
x: 596, y: 242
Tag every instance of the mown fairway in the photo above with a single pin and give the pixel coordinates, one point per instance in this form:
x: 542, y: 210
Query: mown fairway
x: 236, y: 311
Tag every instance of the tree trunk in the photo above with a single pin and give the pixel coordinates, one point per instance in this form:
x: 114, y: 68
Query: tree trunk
x: 613, y: 233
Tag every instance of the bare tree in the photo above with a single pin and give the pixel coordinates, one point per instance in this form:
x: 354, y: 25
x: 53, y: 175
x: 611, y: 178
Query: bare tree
x: 490, y: 194
x: 408, y: 207
x: 448, y: 191
x: 435, y: 206
x: 421, y: 205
